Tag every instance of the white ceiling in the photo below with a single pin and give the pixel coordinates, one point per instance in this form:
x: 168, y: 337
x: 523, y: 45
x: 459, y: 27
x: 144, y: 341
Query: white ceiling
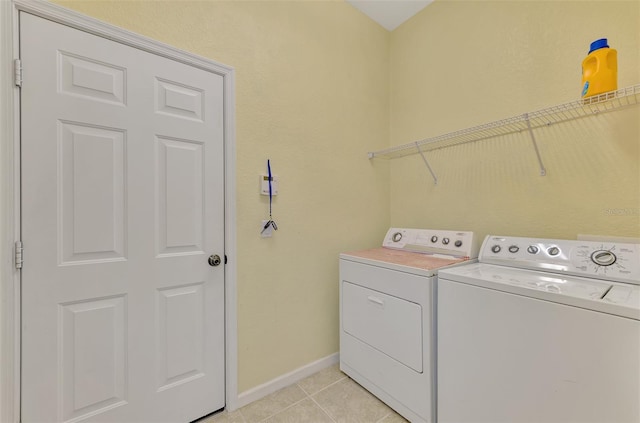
x: 389, y: 13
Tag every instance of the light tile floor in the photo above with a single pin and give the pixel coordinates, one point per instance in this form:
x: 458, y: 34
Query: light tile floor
x: 328, y: 396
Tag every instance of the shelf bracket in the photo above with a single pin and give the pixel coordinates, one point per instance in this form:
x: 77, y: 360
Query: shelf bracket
x: 433, y: 175
x: 543, y: 171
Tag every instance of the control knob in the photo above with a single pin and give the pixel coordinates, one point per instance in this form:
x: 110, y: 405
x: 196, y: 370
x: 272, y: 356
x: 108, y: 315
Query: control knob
x: 603, y: 258
x: 458, y: 243
x: 496, y: 248
x: 532, y: 249
x: 434, y: 238
x: 397, y: 237
x: 514, y: 249
x: 553, y: 251
x: 445, y: 241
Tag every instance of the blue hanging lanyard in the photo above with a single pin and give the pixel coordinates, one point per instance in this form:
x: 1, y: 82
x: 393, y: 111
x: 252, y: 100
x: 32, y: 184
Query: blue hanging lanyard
x: 270, y: 191
x: 270, y: 222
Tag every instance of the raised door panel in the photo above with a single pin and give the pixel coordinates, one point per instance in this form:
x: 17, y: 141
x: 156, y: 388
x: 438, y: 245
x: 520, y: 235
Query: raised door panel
x: 180, y: 183
x: 179, y: 100
x: 93, y: 358
x: 91, y: 192
x: 180, y: 335
x: 91, y: 79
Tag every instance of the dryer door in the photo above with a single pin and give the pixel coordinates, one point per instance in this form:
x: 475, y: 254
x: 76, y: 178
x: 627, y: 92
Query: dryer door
x: 389, y: 324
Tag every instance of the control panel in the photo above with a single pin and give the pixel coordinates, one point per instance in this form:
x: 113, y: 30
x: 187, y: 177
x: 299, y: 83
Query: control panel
x: 431, y: 241
x: 611, y: 261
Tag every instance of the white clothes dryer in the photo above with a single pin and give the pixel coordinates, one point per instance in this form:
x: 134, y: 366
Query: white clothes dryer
x: 543, y: 331
x: 387, y: 311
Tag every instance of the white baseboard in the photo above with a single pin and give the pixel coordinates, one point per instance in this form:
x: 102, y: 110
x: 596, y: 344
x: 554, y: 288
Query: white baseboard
x: 283, y: 381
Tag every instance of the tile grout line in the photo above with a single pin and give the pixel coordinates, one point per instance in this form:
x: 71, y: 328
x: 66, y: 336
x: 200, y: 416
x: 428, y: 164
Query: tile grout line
x: 307, y: 396
x: 317, y: 392
x: 284, y: 409
x: 382, y: 419
x: 323, y: 410
x: 329, y: 385
x: 323, y: 389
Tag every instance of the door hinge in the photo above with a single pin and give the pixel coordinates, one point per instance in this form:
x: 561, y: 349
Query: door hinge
x: 19, y: 259
x: 17, y: 72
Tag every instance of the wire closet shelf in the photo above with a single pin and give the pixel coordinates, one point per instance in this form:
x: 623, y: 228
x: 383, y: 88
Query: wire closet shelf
x: 590, y: 106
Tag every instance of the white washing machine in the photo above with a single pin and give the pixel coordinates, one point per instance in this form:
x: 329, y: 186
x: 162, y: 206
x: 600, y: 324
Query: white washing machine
x: 387, y: 311
x: 543, y: 331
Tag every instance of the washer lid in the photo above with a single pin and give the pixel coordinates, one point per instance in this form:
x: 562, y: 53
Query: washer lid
x: 625, y: 295
x: 540, y: 281
x: 591, y: 294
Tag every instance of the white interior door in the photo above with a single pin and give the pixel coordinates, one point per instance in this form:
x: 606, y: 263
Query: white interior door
x: 122, y: 204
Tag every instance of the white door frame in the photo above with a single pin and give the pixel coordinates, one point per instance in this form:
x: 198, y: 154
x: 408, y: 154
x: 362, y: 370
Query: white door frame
x: 10, y: 187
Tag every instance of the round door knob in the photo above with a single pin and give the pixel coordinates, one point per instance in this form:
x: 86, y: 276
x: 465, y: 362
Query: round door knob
x: 214, y: 260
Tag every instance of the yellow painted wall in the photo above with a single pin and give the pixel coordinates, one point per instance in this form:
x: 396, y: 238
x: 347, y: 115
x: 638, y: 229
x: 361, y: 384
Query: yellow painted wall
x: 319, y: 84
x: 311, y: 95
x: 459, y: 64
